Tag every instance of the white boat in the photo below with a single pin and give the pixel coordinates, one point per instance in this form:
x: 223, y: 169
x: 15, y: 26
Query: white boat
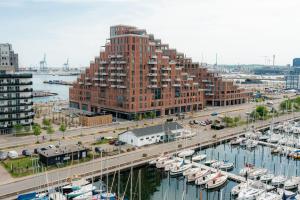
x: 57, y: 196
x: 194, y: 177
x: 251, y: 144
x: 161, y: 158
x: 199, y: 157
x: 236, y: 189
x: 246, y: 170
x: 263, y: 138
x: 210, y: 162
x: 217, y: 181
x: 269, y: 196
x: 108, y: 196
x: 82, y: 190
x: 249, y: 193
x: 274, y: 138
x: 186, y: 153
x: 256, y: 173
x: 216, y: 164
x: 266, y: 178
x: 278, y: 180
x: 178, y: 170
x: 163, y: 163
x: 226, y: 166
x: 85, y: 196
x: 291, y: 183
x: 191, y: 171
x: 204, y: 179
x: 237, y: 141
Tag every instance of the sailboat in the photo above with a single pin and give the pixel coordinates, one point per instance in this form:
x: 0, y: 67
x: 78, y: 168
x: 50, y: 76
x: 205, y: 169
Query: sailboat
x: 217, y: 181
x: 199, y: 157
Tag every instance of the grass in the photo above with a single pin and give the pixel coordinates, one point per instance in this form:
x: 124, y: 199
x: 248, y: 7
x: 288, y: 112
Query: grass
x: 24, y: 134
x: 103, y: 141
x: 19, y: 167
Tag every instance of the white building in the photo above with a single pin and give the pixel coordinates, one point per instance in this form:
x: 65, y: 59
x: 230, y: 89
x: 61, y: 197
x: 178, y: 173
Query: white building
x: 153, y: 134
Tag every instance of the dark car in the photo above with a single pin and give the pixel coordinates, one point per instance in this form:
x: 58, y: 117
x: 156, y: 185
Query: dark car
x: 26, y: 152
x: 3, y: 155
x: 36, y: 150
x: 112, y: 142
x: 214, y: 114
x: 98, y: 149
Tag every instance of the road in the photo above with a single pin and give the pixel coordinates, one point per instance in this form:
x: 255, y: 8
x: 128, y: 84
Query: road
x: 22, y: 184
x: 88, y: 134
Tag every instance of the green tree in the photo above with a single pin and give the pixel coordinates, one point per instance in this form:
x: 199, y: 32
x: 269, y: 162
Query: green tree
x: 262, y: 111
x: 18, y: 128
x: 46, y: 122
x: 37, y: 131
x: 50, y: 131
x: 63, y: 129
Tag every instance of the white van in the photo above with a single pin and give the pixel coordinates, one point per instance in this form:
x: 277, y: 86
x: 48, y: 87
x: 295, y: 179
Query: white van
x: 12, y: 154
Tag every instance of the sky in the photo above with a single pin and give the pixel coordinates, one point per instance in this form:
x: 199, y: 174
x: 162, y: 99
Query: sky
x: 238, y: 31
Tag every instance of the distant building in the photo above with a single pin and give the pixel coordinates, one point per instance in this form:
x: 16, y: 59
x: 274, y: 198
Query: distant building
x: 292, y: 78
x: 296, y: 62
x: 15, y: 101
x: 62, y: 154
x: 8, y: 59
x: 151, y: 135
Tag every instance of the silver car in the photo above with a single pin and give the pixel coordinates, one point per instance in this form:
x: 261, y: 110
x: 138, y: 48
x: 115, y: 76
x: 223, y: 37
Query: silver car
x: 3, y: 155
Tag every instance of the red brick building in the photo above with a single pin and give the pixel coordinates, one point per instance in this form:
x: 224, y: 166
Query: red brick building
x: 138, y: 74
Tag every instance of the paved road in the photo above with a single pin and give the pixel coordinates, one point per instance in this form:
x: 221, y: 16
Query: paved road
x: 130, y: 157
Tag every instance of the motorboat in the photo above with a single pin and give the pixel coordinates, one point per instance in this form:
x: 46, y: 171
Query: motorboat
x: 85, y: 196
x: 278, y: 180
x: 186, y: 153
x: 246, y: 170
x: 236, y: 189
x: 266, y: 178
x: 277, y: 150
x: 216, y: 164
x: 74, y: 183
x: 108, y: 196
x: 249, y: 193
x: 263, y: 138
x: 82, y: 190
x: 217, y: 181
x: 191, y: 171
x: 204, y: 179
x: 251, y: 144
x: 274, y: 138
x: 269, y: 196
x: 291, y: 183
x: 283, y: 141
x: 258, y: 172
x: 199, y: 157
x: 210, y: 162
x: 288, y: 194
x: 226, y: 166
x: 243, y: 143
x: 237, y: 141
x: 202, y: 173
x: 161, y: 158
x: 178, y: 170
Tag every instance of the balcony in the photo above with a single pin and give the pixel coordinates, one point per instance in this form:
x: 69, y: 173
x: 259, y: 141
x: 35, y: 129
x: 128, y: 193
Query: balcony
x: 187, y: 84
x: 166, y: 79
x: 152, y: 74
x: 164, y: 85
x: 112, y: 56
x: 152, y: 86
x: 96, y: 84
x: 122, y: 74
x: 195, y: 83
x: 152, y: 62
x: 178, y: 68
x: 165, y: 74
x: 80, y: 83
x: 184, y: 73
x: 122, y: 62
x: 177, y: 79
x: 172, y: 62
x: 119, y: 56
x: 101, y: 68
x: 103, y: 74
x: 113, y: 86
x: 17, y: 90
x: 102, y: 84
x: 112, y: 68
x: 176, y: 85
x: 153, y: 80
x: 96, y: 73
x: 102, y: 62
x: 154, y: 56
x: 154, y: 68
x: 119, y: 68
x: 190, y: 79
x: 112, y: 80
x: 113, y: 74
x: 166, y: 68
x: 113, y: 62
x: 121, y: 86
x: 119, y: 80
x: 88, y: 83
x: 87, y: 78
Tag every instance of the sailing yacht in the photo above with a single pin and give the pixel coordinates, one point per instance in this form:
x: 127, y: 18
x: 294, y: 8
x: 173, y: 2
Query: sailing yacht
x: 217, y: 181
x: 199, y: 157
x: 249, y: 193
x: 278, y: 180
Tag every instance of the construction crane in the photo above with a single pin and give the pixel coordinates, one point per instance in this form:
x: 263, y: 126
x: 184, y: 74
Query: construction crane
x: 43, y: 64
x: 66, y: 65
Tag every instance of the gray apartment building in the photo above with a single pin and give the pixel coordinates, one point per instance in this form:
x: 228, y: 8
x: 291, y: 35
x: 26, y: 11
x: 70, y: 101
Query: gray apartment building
x: 8, y: 58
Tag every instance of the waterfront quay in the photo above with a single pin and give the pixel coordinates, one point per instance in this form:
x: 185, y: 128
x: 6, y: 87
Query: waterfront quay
x: 99, y: 167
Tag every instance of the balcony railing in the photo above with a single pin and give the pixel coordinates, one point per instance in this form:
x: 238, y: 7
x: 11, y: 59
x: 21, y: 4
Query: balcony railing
x: 166, y: 68
x: 166, y: 79
x: 152, y: 74
x: 176, y: 85
x: 152, y: 86
x: 121, y: 86
x: 152, y: 62
x: 18, y: 90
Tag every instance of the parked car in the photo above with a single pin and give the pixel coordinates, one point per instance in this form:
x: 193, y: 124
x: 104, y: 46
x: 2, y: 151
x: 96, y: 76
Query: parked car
x: 196, y: 122
x: 112, y: 142
x: 12, y: 154
x: 118, y: 143
x: 191, y: 122
x: 100, y: 138
x: 98, y: 149
x: 3, y: 155
x: 26, y: 152
x: 208, y: 121
x: 169, y: 120
x: 51, y: 146
x: 217, y: 126
x: 203, y: 123
x: 214, y: 114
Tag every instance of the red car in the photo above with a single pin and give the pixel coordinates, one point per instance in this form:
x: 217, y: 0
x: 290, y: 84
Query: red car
x: 112, y: 142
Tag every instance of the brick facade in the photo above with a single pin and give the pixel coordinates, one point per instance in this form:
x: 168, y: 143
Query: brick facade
x: 138, y: 74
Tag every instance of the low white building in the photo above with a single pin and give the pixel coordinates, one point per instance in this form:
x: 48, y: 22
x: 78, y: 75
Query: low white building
x: 153, y: 134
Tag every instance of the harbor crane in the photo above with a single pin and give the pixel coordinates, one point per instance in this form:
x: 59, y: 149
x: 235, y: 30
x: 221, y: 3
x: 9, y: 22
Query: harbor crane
x: 66, y: 65
x: 43, y: 64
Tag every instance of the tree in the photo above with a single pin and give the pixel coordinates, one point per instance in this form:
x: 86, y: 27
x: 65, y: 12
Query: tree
x: 63, y: 129
x: 262, y: 111
x: 46, y: 122
x: 37, y: 131
x: 50, y: 131
x: 18, y: 128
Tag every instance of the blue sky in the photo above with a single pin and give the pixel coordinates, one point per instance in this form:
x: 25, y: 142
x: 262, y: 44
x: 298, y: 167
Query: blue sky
x: 240, y: 31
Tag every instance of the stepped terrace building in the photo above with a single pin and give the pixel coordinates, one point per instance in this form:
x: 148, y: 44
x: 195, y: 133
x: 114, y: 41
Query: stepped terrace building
x: 138, y: 74
x: 15, y: 101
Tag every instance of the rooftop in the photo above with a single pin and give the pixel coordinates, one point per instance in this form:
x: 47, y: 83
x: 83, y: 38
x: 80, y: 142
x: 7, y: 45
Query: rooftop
x: 168, y: 126
x: 62, y: 150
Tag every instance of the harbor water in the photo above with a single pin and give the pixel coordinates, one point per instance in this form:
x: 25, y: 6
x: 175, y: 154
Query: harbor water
x: 157, y: 184
x: 61, y: 90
